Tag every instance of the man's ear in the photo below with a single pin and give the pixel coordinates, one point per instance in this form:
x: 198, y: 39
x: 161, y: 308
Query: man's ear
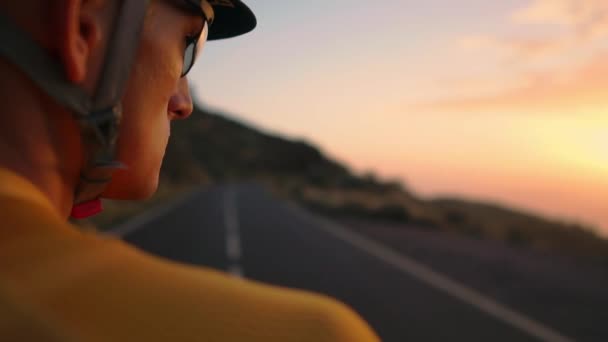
x: 80, y: 31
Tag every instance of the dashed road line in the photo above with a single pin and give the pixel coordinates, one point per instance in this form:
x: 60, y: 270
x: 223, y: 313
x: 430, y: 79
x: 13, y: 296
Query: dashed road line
x: 233, y: 247
x: 236, y: 271
x: 233, y: 237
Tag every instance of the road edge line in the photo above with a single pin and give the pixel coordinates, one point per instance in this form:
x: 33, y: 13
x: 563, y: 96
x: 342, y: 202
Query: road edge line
x: 436, y: 280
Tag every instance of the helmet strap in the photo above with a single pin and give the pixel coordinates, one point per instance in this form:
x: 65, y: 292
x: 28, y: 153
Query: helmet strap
x: 99, y: 116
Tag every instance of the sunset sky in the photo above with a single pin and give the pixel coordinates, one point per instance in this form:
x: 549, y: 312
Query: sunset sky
x: 494, y: 100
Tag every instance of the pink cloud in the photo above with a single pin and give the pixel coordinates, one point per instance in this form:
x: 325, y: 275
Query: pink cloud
x: 549, y: 90
x: 583, y: 20
x: 575, y: 23
x: 562, y: 12
x: 573, y: 30
x: 515, y: 48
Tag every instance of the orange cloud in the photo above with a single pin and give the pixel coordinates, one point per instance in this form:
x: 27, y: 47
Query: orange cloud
x: 576, y: 23
x: 550, y: 90
x: 572, y: 30
x: 583, y: 21
x: 585, y: 16
x: 515, y: 47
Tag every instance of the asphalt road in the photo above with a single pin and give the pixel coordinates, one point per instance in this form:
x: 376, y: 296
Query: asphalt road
x: 247, y: 232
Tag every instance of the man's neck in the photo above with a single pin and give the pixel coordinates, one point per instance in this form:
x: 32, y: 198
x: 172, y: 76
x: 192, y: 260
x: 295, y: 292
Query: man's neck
x: 39, y: 140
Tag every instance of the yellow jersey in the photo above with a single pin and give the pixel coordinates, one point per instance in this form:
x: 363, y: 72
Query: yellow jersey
x: 61, y: 284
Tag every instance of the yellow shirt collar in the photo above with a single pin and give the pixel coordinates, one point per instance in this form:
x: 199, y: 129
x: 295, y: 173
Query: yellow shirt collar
x: 16, y: 186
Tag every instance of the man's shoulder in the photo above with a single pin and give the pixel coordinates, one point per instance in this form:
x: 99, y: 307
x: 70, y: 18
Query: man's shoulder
x: 100, y: 286
x: 172, y: 301
x: 200, y: 300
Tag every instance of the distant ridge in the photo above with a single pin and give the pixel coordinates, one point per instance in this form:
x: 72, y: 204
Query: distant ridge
x: 213, y: 148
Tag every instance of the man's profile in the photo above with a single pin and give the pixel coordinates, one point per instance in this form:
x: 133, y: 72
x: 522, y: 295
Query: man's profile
x: 89, y: 89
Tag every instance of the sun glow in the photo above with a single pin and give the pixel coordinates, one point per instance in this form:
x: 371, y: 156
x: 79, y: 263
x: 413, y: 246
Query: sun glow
x: 579, y: 142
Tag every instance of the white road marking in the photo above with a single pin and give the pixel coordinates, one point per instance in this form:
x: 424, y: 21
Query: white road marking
x: 233, y: 247
x: 233, y: 238
x: 150, y: 215
x: 436, y: 280
x: 236, y: 271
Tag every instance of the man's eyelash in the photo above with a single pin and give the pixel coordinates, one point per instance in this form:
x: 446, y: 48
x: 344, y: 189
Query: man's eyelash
x: 190, y: 37
x: 193, y: 35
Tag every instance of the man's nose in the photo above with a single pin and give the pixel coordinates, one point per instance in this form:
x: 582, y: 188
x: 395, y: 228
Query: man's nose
x: 180, y: 104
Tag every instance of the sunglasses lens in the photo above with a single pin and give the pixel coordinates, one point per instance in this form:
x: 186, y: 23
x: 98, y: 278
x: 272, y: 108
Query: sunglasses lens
x: 193, y: 50
x: 189, y: 56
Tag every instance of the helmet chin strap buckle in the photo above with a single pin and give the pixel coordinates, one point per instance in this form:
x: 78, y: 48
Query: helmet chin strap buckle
x: 86, y: 209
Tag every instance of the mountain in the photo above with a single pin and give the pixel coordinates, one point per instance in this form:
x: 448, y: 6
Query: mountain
x: 212, y: 148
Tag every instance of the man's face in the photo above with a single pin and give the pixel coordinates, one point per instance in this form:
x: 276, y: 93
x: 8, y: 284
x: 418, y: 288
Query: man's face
x: 156, y: 94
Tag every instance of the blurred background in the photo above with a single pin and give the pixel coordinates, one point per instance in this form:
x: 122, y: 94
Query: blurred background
x: 500, y: 101
x: 470, y: 135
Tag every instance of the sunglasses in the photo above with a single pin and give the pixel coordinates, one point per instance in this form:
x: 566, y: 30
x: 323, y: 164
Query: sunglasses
x: 192, y: 50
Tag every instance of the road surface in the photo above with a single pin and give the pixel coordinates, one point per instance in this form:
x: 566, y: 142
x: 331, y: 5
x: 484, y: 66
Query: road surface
x: 244, y: 230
